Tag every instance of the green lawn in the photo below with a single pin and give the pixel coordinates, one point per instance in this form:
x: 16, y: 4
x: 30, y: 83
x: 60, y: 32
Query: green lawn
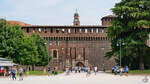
x: 41, y: 73
x: 139, y: 72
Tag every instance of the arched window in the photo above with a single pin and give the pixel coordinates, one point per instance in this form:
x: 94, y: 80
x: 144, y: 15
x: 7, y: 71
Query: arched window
x: 55, y: 54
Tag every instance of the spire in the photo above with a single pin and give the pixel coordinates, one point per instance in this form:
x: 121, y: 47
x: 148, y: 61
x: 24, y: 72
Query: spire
x: 76, y: 21
x: 76, y: 10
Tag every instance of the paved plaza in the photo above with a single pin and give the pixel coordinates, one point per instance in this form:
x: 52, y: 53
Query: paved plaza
x: 100, y: 78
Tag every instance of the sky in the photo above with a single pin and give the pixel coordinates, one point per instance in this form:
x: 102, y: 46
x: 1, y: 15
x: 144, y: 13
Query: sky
x: 56, y: 12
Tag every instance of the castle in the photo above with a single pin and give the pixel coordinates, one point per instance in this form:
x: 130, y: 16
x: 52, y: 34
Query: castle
x: 75, y: 45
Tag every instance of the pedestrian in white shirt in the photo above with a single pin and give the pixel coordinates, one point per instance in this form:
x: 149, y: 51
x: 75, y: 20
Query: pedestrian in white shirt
x: 95, y: 70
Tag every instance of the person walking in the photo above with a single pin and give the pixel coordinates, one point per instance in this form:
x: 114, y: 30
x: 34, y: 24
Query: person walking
x: 76, y: 69
x: 88, y: 72
x: 113, y: 69
x: 67, y: 71
x: 95, y: 70
x: 48, y: 71
x: 54, y: 71
x: 13, y: 73
x: 126, y: 70
x: 10, y: 73
x: 121, y: 71
x: 20, y: 70
x: 79, y: 69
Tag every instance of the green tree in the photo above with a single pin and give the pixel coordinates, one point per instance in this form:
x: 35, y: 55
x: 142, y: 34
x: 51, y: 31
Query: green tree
x: 42, y: 50
x: 28, y: 54
x: 14, y: 44
x: 131, y: 25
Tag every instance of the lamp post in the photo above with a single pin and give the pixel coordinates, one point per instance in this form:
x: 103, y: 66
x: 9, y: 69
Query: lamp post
x: 120, y: 44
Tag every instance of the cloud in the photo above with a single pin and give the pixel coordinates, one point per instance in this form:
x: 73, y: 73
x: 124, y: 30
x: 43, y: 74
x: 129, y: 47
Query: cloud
x: 56, y: 12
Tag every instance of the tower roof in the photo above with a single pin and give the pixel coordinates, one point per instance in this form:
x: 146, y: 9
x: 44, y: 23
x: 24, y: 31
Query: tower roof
x: 109, y: 16
x: 76, y: 13
x: 76, y: 21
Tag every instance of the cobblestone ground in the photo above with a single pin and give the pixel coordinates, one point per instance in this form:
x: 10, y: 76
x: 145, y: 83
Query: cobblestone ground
x: 100, y: 78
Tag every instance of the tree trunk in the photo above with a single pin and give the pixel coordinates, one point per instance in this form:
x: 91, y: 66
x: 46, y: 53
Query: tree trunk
x: 33, y: 67
x: 141, y: 60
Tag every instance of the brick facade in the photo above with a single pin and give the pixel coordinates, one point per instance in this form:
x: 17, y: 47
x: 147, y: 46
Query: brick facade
x: 76, y: 45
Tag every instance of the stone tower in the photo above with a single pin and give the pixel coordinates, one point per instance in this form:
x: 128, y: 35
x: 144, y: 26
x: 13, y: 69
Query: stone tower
x: 76, y: 21
x: 106, y: 21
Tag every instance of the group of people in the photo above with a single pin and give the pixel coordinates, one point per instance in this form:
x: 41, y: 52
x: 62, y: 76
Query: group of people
x: 79, y: 69
x: 54, y: 71
x: 121, y: 70
x: 13, y: 71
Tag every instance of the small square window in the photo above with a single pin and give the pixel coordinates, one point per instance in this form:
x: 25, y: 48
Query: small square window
x: 102, y: 30
x: 97, y: 30
x: 86, y: 30
x: 69, y: 31
x: 92, y: 30
x: 57, y: 43
x: 45, y: 30
x: 80, y: 30
x: 51, y: 30
x: 63, y: 30
x: 57, y: 30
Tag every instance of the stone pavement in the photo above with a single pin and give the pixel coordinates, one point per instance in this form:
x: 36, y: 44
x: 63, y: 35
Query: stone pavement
x: 79, y: 78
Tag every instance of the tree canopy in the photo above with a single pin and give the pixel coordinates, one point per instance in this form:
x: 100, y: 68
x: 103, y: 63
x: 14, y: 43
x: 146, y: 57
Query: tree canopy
x: 42, y: 50
x: 22, y: 49
x: 131, y: 26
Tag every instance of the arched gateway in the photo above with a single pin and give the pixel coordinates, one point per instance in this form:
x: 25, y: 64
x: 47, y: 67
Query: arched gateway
x: 81, y: 64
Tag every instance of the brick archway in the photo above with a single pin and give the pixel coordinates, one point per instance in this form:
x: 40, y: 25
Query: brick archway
x: 81, y: 64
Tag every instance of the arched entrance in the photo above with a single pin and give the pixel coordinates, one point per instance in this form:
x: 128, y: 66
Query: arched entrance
x: 80, y: 64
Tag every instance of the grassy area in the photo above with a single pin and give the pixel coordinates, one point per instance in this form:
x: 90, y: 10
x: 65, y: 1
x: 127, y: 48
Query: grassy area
x: 41, y: 73
x: 139, y: 72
